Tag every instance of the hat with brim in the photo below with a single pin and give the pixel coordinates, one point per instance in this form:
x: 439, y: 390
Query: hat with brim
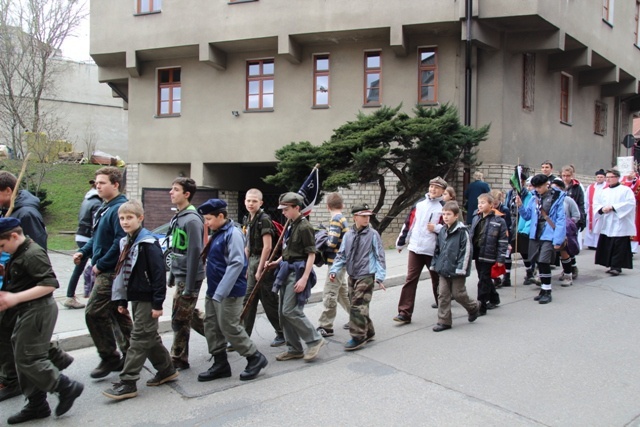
x: 361, y: 209
x: 290, y: 199
x: 439, y: 182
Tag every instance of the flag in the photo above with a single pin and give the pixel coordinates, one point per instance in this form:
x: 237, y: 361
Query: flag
x: 515, y: 179
x: 310, y: 190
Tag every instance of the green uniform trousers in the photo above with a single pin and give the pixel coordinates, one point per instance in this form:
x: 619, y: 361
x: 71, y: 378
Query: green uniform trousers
x: 268, y: 298
x: 222, y: 325
x: 334, y: 293
x: 295, y: 324
x: 184, y: 317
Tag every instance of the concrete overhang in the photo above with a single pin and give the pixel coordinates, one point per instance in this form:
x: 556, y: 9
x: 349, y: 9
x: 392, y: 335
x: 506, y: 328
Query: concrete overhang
x: 570, y: 60
x: 483, y: 36
x: 549, y: 41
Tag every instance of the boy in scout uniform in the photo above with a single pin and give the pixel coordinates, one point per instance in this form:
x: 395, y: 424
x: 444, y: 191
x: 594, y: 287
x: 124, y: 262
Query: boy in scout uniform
x: 29, y: 282
x: 294, y: 279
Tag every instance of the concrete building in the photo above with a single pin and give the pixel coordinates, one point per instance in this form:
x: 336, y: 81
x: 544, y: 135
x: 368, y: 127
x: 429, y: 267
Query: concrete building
x: 214, y: 89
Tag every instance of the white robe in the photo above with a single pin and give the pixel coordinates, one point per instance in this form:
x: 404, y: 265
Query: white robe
x: 622, y: 220
x: 591, y: 238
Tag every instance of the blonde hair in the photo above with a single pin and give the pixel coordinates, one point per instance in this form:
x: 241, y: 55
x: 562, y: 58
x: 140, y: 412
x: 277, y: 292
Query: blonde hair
x: 478, y: 175
x: 255, y: 192
x: 486, y: 196
x: 132, y: 207
x: 452, y: 193
x: 497, y: 195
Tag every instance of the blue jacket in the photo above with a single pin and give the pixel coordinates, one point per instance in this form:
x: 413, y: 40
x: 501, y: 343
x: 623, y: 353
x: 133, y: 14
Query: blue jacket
x: 362, y: 253
x: 104, y: 246
x: 553, y: 205
x: 226, y: 264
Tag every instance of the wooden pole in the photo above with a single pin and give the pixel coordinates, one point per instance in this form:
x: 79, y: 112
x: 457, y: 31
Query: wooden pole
x: 16, y: 190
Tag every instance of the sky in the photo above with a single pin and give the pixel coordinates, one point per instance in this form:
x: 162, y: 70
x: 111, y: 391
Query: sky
x: 76, y: 47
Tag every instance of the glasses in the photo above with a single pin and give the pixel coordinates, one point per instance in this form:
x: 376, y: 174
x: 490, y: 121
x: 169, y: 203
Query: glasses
x: 610, y: 177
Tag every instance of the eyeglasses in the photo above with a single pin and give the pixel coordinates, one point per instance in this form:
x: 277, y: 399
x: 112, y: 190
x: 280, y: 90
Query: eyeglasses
x: 610, y: 177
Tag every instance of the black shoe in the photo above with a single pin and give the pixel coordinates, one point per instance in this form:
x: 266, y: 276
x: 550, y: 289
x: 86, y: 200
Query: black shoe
x: 441, y: 327
x: 179, y: 365
x: 615, y: 271
x: 474, y: 315
x: 163, y: 377
x: 497, y: 283
x: 68, y: 391
x: 9, y: 391
x: 402, y: 319
x: 122, y: 390
x: 537, y: 297
x: 546, y: 298
x: 255, y: 363
x: 434, y: 305
x: 105, y: 367
x: 219, y: 369
x: 35, y: 409
x: 371, y: 336
x: 278, y: 341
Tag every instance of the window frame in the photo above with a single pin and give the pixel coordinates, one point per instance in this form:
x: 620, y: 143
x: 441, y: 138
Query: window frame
x: 607, y: 11
x: 321, y: 73
x: 172, y: 84
x: 528, y: 81
x: 152, y: 7
x: 637, y: 29
x: 261, y: 78
x: 566, y: 98
x: 600, y: 118
x: 427, y: 68
x: 368, y: 71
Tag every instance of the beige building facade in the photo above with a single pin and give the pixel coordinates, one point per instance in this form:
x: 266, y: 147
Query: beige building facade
x: 214, y: 88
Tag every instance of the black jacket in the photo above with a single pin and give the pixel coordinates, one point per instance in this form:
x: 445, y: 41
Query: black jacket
x: 493, y: 243
x: 26, y: 209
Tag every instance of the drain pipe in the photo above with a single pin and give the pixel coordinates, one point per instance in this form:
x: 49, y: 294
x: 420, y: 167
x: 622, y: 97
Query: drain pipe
x: 466, y: 179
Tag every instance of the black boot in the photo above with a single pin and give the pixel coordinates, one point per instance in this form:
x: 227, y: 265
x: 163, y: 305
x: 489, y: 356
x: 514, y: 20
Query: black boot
x: 255, y: 363
x: 36, y: 408
x: 219, y: 369
x: 106, y: 366
x: 68, y: 391
x: 546, y: 298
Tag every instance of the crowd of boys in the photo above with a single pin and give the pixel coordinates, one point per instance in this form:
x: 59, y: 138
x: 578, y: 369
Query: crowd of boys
x: 540, y: 221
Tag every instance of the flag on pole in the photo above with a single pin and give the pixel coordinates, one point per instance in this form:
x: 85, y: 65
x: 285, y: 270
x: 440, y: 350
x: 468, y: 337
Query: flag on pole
x: 310, y: 190
x: 515, y: 182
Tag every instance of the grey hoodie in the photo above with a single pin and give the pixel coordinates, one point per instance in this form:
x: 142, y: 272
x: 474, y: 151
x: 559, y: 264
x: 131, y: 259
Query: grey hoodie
x: 187, y: 242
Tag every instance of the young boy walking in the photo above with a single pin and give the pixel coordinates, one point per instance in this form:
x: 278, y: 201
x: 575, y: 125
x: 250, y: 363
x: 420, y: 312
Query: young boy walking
x: 261, y: 240
x: 226, y: 267
x: 140, y: 278
x: 452, y: 262
x: 490, y: 243
x: 294, y: 279
x: 27, y: 291
x: 187, y: 272
x: 363, y: 256
x: 335, y: 291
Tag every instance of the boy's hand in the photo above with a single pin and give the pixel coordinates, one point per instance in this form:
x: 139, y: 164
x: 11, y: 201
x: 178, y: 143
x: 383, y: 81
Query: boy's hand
x: 381, y: 286
x: 518, y: 201
x: 499, y: 264
x: 332, y: 277
x: 7, y: 300
x: 123, y: 310
x: 77, y: 257
x: 300, y: 285
x: 156, y: 313
x: 272, y: 264
x: 431, y: 226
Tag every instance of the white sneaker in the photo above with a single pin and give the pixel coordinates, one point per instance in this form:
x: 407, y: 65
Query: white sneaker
x: 72, y: 303
x: 566, y: 280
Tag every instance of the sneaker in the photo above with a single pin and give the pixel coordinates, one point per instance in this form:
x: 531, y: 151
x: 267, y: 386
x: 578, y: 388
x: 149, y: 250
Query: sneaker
x: 325, y: 332
x: 312, y: 351
x: 122, y: 390
x: 441, y: 327
x: 574, y: 271
x: 562, y: 276
x: 72, y: 303
x: 434, y: 305
x: 401, y: 319
x: 289, y: 356
x: 345, y: 326
x: 474, y: 315
x: 566, y: 281
x: 371, y: 336
x: 355, y: 344
x: 9, y: 391
x: 278, y: 341
x: 163, y: 377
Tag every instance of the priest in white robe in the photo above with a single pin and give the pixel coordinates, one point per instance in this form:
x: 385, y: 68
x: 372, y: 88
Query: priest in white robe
x: 591, y: 238
x: 615, y: 216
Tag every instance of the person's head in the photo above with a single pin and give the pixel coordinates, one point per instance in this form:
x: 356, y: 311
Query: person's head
x: 558, y: 184
x: 291, y: 204
x: 546, y: 167
x: 567, y: 173
x: 253, y: 200
x: 334, y: 202
x: 108, y: 182
x: 449, y: 194
x: 485, y: 203
x: 182, y: 191
x: 361, y: 215
x: 11, y: 235
x: 131, y: 215
x: 436, y: 187
x: 528, y: 183
x: 214, y: 212
x: 478, y: 176
x: 540, y: 183
x: 92, y: 183
x: 450, y: 213
x: 612, y: 176
x: 498, y: 197
x: 600, y: 176
x: 7, y: 185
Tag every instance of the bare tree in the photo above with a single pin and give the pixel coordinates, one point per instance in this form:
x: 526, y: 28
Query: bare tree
x: 31, y: 34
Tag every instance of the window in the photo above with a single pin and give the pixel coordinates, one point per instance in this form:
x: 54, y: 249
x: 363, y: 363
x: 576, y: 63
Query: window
x: 260, y: 84
x: 637, y: 29
x: 428, y: 76
x: 148, y: 6
x: 565, y: 98
x: 372, y: 78
x: 169, y: 92
x: 528, y: 80
x: 600, y: 120
x: 607, y: 11
x: 321, y: 81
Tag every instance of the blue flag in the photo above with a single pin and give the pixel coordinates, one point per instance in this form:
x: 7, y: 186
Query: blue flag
x: 310, y: 190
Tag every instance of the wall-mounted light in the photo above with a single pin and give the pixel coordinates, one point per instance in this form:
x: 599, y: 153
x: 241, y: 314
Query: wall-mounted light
x: 235, y: 113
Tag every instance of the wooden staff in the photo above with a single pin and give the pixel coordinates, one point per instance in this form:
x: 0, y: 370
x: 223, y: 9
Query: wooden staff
x: 14, y: 194
x: 514, y: 265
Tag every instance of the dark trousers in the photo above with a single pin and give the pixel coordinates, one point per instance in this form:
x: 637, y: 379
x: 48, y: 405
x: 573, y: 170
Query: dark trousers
x: 77, y: 273
x: 265, y: 295
x: 415, y: 264
x: 8, y: 374
x: 486, y: 290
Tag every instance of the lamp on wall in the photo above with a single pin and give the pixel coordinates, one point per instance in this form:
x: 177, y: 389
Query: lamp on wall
x: 235, y: 113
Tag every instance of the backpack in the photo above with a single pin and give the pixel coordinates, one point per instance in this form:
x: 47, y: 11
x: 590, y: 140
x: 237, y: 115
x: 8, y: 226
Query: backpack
x: 321, y: 237
x: 275, y: 237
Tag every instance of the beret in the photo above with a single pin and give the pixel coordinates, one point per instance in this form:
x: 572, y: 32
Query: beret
x: 539, y: 180
x: 212, y: 206
x: 9, y: 223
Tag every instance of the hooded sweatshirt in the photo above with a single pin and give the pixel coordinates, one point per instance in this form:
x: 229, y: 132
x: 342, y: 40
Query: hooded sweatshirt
x: 26, y: 209
x: 187, y: 238
x: 88, y: 208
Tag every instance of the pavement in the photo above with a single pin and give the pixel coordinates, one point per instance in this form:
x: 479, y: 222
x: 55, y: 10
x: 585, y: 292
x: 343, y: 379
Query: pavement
x: 573, y: 362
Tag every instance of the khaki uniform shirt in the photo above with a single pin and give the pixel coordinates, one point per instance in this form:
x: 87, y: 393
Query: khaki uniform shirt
x: 299, y: 241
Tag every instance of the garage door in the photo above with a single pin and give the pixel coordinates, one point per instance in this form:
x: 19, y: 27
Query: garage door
x: 158, y: 208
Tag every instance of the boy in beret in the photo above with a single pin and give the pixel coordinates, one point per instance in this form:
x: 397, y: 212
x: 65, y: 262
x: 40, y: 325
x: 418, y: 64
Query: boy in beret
x: 363, y: 256
x: 28, y: 292
x: 226, y: 269
x: 294, y: 279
